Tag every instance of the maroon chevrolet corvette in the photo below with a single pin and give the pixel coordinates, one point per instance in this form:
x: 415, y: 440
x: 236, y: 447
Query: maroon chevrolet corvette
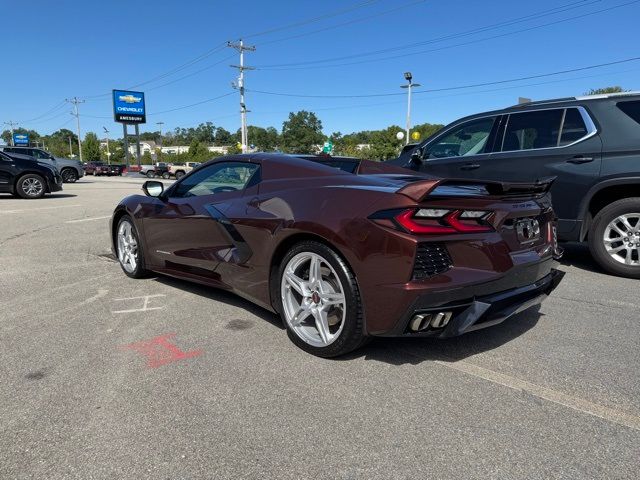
x: 345, y: 249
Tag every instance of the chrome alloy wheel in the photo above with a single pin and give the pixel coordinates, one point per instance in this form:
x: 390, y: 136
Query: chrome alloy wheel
x: 127, y: 247
x: 622, y: 239
x: 313, y: 299
x: 33, y: 187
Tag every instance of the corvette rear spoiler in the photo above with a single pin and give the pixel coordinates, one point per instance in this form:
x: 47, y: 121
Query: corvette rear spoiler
x: 475, y: 188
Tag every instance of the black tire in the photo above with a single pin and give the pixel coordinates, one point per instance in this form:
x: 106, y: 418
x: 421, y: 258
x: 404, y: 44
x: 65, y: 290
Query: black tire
x: 27, y: 186
x: 352, y: 335
x: 140, y: 271
x: 151, y: 174
x: 179, y: 174
x: 597, y: 232
x: 166, y: 175
x: 69, y: 175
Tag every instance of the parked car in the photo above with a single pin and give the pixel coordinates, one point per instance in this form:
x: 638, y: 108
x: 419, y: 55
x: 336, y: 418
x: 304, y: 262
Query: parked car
x: 90, y: 167
x: 345, y: 254
x: 22, y: 177
x: 591, y: 144
x: 179, y: 171
x: 70, y: 169
x: 108, y: 170
x: 155, y: 170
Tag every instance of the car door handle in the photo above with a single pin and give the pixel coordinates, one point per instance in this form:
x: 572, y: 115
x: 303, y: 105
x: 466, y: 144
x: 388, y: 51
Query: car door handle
x: 578, y: 159
x: 470, y: 166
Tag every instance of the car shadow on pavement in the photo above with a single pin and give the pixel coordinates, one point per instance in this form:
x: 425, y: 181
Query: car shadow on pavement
x: 578, y: 255
x: 52, y: 195
x: 402, y: 351
x: 222, y: 296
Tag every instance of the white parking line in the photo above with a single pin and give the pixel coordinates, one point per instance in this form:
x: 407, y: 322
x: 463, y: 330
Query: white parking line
x: 26, y: 210
x: 584, y: 406
x: 88, y: 219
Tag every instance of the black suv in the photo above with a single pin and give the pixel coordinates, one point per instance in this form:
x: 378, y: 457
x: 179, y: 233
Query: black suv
x: 21, y: 176
x: 591, y: 144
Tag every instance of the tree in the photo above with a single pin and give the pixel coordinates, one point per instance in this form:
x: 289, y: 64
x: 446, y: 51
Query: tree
x: 605, y: 90
x: 91, y: 148
x: 197, y: 150
x: 146, y: 158
x: 301, y: 133
x: 223, y: 137
x: 33, y: 135
x: 264, y: 139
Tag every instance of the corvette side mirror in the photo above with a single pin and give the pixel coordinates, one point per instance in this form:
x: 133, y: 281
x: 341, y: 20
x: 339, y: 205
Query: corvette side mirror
x: 153, y: 188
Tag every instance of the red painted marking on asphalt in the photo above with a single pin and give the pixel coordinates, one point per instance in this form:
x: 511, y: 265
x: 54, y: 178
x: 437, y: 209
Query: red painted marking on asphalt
x: 160, y: 351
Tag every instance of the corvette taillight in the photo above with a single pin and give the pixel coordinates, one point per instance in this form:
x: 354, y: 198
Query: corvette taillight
x: 422, y: 221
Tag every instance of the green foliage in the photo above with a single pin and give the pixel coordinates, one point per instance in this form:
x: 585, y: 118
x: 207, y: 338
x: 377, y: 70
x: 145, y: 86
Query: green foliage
x: 264, y: 139
x: 197, y: 150
x: 605, y: 90
x: 146, y: 158
x: 301, y: 133
x: 33, y: 135
x: 91, y: 148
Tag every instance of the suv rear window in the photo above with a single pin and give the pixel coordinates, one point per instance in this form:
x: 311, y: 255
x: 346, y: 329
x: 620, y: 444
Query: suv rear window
x: 573, y: 127
x: 528, y: 130
x: 632, y: 109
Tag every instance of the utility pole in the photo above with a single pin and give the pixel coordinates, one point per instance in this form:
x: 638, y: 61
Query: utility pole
x: 70, y: 148
x: 106, y: 132
x: 11, y: 126
x: 160, y: 124
x: 409, y: 78
x: 240, y: 47
x: 76, y: 113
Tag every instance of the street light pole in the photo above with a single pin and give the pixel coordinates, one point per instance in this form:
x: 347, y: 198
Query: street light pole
x: 409, y: 78
x: 160, y: 124
x: 70, y: 148
x: 108, y: 152
x: 76, y: 112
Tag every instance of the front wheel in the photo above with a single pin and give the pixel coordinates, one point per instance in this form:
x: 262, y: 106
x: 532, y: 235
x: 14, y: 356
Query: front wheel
x: 319, y: 301
x: 129, y: 248
x: 166, y: 175
x: 69, y: 175
x: 151, y: 174
x: 31, y: 186
x: 179, y: 174
x: 614, y: 238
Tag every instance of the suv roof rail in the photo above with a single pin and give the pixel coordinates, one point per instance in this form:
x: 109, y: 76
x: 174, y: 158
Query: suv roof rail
x: 581, y: 97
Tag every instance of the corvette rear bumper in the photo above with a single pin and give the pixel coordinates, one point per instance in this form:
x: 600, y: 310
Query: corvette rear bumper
x: 481, y: 312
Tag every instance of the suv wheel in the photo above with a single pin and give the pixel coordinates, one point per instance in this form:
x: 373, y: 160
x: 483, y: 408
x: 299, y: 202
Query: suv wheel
x: 69, y: 175
x: 614, y: 238
x: 166, y: 175
x: 151, y: 174
x: 319, y: 301
x: 179, y: 174
x: 31, y: 186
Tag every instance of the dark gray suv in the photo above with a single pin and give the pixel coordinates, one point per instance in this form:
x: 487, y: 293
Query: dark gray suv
x: 71, y: 170
x: 591, y: 144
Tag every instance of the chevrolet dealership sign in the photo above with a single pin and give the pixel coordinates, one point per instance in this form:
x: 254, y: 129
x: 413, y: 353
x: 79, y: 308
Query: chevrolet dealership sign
x: 128, y: 107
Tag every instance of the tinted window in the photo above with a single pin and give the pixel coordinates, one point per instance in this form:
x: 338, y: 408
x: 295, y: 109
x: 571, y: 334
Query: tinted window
x: 632, y: 109
x: 40, y: 154
x: 221, y: 177
x: 529, y: 130
x: 467, y: 139
x: 573, y: 127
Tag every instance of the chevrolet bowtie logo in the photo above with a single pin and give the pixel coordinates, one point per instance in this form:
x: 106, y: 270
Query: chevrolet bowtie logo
x: 129, y: 98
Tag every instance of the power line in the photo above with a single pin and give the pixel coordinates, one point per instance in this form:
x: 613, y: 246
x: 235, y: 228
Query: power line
x: 57, y: 106
x: 526, y: 18
x: 350, y: 22
x: 191, y: 105
x: 459, y: 87
x: 392, y: 57
x: 314, y: 19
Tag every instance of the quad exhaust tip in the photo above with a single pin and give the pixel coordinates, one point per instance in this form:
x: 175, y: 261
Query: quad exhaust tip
x: 424, y: 321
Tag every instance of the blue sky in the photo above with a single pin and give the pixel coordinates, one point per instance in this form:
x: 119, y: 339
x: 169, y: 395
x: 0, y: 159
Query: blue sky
x: 57, y: 50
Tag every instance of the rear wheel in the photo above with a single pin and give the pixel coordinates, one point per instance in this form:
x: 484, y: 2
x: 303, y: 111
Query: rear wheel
x: 31, y: 186
x: 151, y: 174
x: 319, y: 301
x: 166, y: 175
x: 69, y: 175
x: 129, y: 248
x: 614, y: 238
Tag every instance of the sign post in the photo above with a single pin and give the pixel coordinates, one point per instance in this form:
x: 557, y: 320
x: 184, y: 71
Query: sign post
x: 129, y: 109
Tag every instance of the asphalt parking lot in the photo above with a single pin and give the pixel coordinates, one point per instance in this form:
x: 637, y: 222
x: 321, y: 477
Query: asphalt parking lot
x: 108, y: 377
